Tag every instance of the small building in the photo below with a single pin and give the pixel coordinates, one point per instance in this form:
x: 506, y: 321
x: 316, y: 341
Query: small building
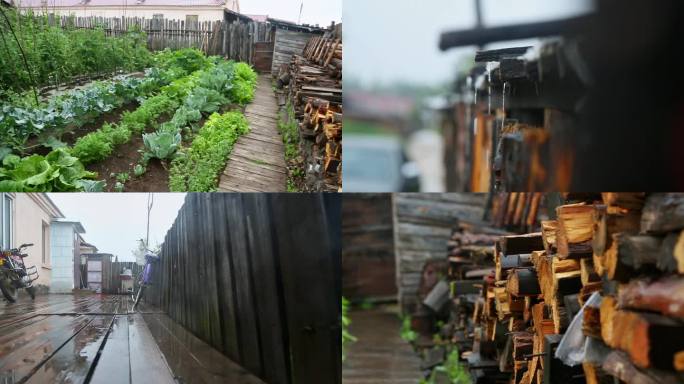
x: 273, y: 41
x: 192, y: 11
x: 289, y: 39
x: 65, y: 251
x: 27, y: 218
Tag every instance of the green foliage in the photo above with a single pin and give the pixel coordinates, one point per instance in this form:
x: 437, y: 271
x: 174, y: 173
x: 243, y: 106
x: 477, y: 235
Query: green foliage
x: 98, y: 145
x: 92, y: 147
x: 122, y: 177
x: 58, y: 54
x: 119, y: 187
x: 73, y: 109
x: 407, y: 334
x: 187, y: 59
x: 204, y: 100
x: 161, y: 144
x: 139, y: 170
x: 346, y: 336
x: 148, y: 112
x: 58, y: 171
x: 197, y: 168
x: 244, y: 84
x: 452, y: 369
x: 290, y: 134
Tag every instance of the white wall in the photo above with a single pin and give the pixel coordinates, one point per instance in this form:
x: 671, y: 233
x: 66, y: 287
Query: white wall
x: 172, y: 13
x: 62, y: 250
x: 28, y: 226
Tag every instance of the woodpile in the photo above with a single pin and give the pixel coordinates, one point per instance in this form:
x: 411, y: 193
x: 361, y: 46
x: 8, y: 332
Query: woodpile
x: 314, y: 81
x: 628, y: 248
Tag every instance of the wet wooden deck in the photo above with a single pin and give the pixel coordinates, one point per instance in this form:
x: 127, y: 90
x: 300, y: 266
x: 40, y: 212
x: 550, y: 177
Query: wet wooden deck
x: 98, y: 339
x: 257, y: 162
x: 380, y: 356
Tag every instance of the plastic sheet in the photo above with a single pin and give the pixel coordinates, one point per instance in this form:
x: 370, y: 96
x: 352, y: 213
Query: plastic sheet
x: 573, y: 347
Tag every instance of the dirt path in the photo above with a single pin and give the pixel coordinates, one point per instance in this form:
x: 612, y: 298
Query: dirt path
x: 98, y: 339
x: 257, y: 162
x: 379, y: 356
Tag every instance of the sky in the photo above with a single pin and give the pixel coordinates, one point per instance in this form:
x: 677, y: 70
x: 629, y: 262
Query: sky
x: 389, y: 41
x: 115, y: 221
x: 320, y: 12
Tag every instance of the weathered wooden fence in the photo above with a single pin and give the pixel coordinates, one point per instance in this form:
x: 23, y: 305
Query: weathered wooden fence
x: 257, y: 276
x: 234, y: 40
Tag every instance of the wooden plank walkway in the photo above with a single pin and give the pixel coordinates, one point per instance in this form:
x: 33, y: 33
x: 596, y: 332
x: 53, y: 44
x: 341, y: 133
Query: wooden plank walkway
x: 98, y: 339
x: 380, y: 356
x: 257, y: 162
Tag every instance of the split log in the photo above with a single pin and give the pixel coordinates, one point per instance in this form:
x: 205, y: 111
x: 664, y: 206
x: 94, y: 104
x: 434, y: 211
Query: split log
x: 523, y: 282
x: 549, y: 228
x: 618, y: 364
x: 591, y: 322
x: 587, y: 272
x: 627, y: 200
x: 663, y: 212
x: 665, y: 296
x: 630, y: 255
x: 521, y: 244
x: 650, y: 340
x: 575, y: 230
x: 607, y: 315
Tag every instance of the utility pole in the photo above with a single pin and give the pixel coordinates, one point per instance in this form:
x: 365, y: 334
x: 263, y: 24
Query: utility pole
x: 301, y: 7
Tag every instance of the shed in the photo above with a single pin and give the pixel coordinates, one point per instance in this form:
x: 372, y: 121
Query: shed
x: 64, y: 251
x: 290, y: 39
x: 98, y: 267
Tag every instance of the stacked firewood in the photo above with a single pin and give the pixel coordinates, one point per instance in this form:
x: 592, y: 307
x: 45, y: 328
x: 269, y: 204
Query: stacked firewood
x: 517, y: 211
x: 315, y: 91
x: 625, y: 251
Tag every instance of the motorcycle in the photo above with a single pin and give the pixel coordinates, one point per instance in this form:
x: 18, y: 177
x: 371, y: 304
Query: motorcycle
x: 15, y: 275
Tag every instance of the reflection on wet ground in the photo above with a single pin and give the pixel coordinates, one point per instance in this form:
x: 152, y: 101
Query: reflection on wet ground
x: 380, y: 355
x: 98, y: 339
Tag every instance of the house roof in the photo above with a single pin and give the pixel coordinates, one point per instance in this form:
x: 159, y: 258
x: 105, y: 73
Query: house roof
x: 44, y: 202
x: 78, y: 227
x: 119, y: 3
x: 259, y: 18
x: 295, y: 27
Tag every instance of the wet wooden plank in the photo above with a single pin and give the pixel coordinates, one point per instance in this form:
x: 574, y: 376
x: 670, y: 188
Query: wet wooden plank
x: 191, y: 359
x: 25, y: 349
x: 73, y: 361
x: 148, y: 364
x: 113, y: 366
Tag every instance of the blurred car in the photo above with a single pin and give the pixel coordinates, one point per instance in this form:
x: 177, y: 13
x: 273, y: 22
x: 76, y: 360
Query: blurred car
x: 377, y: 164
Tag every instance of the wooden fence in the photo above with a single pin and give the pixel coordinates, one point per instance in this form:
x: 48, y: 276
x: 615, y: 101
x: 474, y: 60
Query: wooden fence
x: 257, y: 276
x: 234, y: 40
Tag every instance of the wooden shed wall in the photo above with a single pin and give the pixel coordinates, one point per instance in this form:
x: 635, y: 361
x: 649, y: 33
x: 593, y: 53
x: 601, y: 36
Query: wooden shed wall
x: 368, y: 265
x: 422, y: 226
x: 257, y: 277
x: 287, y: 43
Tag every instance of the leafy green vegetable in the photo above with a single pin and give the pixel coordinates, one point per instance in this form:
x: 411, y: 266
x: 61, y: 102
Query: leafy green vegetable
x: 139, y: 170
x: 161, y: 145
x: 197, y: 168
x: 58, y: 171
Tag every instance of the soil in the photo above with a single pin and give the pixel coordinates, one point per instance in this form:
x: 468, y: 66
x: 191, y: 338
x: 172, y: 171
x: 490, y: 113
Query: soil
x: 71, y: 136
x: 124, y: 159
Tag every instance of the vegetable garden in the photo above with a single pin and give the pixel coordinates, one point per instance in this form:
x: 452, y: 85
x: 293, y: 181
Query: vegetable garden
x: 171, y: 127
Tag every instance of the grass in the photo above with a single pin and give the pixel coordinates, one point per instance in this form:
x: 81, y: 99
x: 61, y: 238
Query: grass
x: 452, y: 369
x: 289, y: 131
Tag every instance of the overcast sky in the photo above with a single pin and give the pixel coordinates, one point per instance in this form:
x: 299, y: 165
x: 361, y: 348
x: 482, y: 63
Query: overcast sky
x: 115, y: 221
x: 389, y: 40
x: 320, y: 12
